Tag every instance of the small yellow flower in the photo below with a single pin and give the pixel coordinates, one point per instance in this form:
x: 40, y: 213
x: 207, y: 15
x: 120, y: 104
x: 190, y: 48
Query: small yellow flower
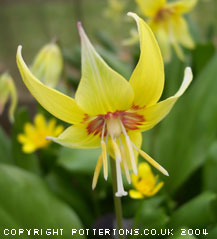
x: 145, y: 183
x: 108, y: 110
x: 114, y: 9
x: 167, y: 22
x: 48, y: 65
x: 34, y: 136
x: 8, y: 90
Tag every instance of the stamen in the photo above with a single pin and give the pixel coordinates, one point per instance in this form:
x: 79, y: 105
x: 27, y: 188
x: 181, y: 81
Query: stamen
x: 105, y: 161
x: 130, y: 149
x: 124, y: 160
x: 104, y: 154
x: 120, y: 188
x: 152, y: 161
x: 97, y: 171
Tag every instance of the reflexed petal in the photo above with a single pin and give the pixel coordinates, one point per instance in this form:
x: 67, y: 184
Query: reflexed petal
x: 58, y: 104
x: 182, y: 33
x: 135, y: 194
x: 136, y: 138
x: 183, y: 6
x: 150, y: 7
x: 77, y: 137
x: 101, y: 89
x: 157, y: 112
x: 147, y: 79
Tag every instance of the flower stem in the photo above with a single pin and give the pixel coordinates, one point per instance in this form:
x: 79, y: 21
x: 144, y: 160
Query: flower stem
x: 117, y: 200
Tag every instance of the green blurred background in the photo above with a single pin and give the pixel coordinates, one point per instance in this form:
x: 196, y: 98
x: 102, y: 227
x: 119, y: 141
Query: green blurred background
x: 59, y: 180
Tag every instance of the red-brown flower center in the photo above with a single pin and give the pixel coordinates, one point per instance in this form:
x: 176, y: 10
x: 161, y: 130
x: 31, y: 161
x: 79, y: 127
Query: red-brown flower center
x: 163, y: 14
x: 112, y: 121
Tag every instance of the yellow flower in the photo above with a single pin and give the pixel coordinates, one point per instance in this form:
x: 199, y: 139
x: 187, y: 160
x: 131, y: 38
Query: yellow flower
x: 167, y: 22
x: 8, y: 89
x: 114, y: 9
x: 145, y: 183
x: 108, y: 110
x: 48, y: 65
x: 34, y: 136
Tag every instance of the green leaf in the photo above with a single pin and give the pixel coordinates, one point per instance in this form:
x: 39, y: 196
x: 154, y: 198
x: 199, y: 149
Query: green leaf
x: 182, y: 233
x: 22, y: 160
x: 5, y: 148
x: 150, y: 214
x: 210, y: 170
x: 212, y: 233
x: 189, y: 130
x: 67, y: 191
x: 196, y: 213
x: 26, y: 202
x: 79, y: 161
x: 206, y: 50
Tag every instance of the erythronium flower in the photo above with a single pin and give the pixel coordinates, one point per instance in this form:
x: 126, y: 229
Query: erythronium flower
x: 48, y: 65
x: 167, y: 22
x: 8, y: 90
x: 145, y: 183
x: 34, y: 136
x: 107, y: 109
x: 114, y: 9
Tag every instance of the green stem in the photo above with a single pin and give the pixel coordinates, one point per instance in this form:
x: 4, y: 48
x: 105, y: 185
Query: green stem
x: 117, y: 200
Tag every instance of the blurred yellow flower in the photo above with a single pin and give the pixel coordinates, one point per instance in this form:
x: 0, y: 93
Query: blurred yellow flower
x: 48, y: 65
x: 108, y: 110
x: 167, y: 22
x: 145, y: 183
x: 34, y: 136
x: 114, y: 9
x: 8, y: 90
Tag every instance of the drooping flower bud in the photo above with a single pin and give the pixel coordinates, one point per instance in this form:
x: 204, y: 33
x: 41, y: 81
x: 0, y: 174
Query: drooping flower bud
x: 48, y: 65
x: 8, y: 90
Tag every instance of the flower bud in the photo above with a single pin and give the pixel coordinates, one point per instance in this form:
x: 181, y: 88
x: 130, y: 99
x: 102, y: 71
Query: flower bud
x: 8, y: 90
x: 48, y: 65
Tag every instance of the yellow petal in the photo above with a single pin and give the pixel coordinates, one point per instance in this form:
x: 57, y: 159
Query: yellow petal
x: 182, y: 33
x: 58, y: 104
x: 28, y: 148
x: 157, y: 112
x: 29, y: 129
x: 101, y: 89
x: 150, y: 7
x: 59, y: 129
x: 40, y: 122
x: 144, y: 170
x: 51, y: 125
x: 182, y: 6
x: 147, y: 79
x: 77, y: 137
x: 156, y: 188
x: 135, y: 194
x: 22, y: 138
